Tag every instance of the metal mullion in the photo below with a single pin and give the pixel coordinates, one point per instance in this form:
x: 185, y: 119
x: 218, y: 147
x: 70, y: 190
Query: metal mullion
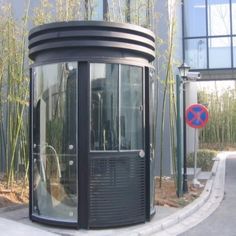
x: 146, y: 136
x: 231, y: 33
x: 119, y: 107
x: 144, y: 74
x: 31, y: 145
x: 220, y: 36
x: 207, y: 39
x: 77, y: 141
x: 183, y: 32
x: 83, y: 143
x: 196, y: 37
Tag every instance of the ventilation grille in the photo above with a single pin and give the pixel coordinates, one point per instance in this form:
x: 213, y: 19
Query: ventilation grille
x: 117, y: 191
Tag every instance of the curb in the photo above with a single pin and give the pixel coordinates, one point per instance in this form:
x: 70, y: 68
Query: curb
x: 205, y: 205
x: 196, y: 211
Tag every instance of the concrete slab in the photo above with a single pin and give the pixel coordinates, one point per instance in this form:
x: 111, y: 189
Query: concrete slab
x: 9, y: 227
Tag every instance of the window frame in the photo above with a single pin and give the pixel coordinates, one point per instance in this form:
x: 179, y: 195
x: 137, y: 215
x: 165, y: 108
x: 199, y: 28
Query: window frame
x: 119, y: 108
x: 207, y: 37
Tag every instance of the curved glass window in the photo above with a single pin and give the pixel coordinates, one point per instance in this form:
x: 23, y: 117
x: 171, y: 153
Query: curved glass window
x: 55, y: 141
x: 104, y: 106
x: 153, y: 120
x: 195, y: 18
x: 116, y: 108
x: 131, y: 108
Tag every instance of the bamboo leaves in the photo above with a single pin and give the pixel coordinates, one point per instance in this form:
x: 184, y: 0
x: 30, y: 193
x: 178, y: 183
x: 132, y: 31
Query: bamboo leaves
x: 219, y: 133
x: 14, y: 91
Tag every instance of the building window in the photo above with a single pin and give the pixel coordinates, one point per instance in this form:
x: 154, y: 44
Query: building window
x: 98, y: 11
x: 234, y: 50
x: 233, y: 15
x: 195, y: 53
x: 104, y: 106
x: 116, y: 119
x: 55, y: 141
x: 209, y: 26
x: 195, y: 18
x: 218, y: 17
x: 219, y: 52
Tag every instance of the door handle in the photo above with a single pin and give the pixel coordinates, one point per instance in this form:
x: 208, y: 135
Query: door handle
x: 141, y: 154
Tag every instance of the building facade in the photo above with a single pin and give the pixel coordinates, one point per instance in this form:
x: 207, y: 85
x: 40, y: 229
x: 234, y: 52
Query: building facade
x: 209, y: 37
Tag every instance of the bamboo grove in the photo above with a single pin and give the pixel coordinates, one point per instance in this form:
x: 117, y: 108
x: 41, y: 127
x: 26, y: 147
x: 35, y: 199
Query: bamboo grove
x: 14, y: 69
x: 219, y: 133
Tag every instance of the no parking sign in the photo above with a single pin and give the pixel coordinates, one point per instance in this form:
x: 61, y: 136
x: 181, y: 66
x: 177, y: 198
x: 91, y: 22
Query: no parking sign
x: 196, y: 116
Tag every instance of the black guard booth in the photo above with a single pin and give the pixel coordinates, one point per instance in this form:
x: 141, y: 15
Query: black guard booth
x: 91, y: 148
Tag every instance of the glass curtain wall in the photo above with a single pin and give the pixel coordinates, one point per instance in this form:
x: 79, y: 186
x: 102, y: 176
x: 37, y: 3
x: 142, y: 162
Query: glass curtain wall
x: 54, y: 145
x: 209, y: 27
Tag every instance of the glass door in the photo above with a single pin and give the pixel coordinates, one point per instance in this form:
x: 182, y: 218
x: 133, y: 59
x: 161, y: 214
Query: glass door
x: 54, y: 132
x: 116, y: 157
x: 116, y: 122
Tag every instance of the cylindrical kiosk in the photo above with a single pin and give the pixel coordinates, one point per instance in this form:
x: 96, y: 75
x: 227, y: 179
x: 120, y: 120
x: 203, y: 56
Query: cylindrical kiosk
x: 91, y: 148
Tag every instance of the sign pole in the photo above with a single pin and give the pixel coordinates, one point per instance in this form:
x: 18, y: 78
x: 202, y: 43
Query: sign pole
x: 195, y: 156
x: 196, y: 117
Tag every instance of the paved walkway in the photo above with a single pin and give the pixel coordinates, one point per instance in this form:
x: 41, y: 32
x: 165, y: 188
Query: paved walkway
x: 223, y: 220
x: 166, y: 222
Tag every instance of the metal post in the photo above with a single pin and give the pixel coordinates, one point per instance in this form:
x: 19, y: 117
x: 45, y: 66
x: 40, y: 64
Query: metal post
x: 195, y: 156
x: 196, y: 183
x: 185, y: 178
x: 179, y: 138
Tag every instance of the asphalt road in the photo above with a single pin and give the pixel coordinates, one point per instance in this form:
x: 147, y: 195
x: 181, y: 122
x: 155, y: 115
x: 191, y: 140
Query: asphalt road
x: 223, y: 221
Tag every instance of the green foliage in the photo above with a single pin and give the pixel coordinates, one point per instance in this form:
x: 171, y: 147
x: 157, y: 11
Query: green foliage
x: 221, y: 127
x: 14, y: 70
x: 136, y: 12
x: 14, y: 92
x: 204, y: 159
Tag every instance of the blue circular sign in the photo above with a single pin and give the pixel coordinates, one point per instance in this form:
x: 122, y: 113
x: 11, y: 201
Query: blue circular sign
x: 196, y: 116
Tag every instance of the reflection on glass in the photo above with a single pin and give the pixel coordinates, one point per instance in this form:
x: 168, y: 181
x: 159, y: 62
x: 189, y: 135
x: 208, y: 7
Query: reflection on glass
x: 116, y: 107
x: 219, y: 52
x: 117, y: 10
x: 97, y: 10
x: 153, y: 119
x: 234, y: 15
x: 195, y: 18
x: 104, y: 106
x: 132, y: 11
x: 195, y: 53
x: 139, y: 13
x: 234, y: 50
x: 218, y: 17
x: 131, y: 108
x: 54, y: 142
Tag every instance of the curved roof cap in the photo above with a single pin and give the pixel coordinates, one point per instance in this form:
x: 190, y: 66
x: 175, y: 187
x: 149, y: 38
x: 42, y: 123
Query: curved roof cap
x: 92, y: 34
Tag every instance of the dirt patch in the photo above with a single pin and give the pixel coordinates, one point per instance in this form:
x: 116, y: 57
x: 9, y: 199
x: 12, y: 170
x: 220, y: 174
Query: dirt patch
x: 166, y: 195
x: 16, y: 194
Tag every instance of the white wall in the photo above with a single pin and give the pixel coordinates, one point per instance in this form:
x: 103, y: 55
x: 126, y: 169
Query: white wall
x: 191, y: 97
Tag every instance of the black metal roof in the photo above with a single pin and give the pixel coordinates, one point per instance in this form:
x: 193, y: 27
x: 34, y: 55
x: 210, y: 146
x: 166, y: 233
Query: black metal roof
x: 89, y: 36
